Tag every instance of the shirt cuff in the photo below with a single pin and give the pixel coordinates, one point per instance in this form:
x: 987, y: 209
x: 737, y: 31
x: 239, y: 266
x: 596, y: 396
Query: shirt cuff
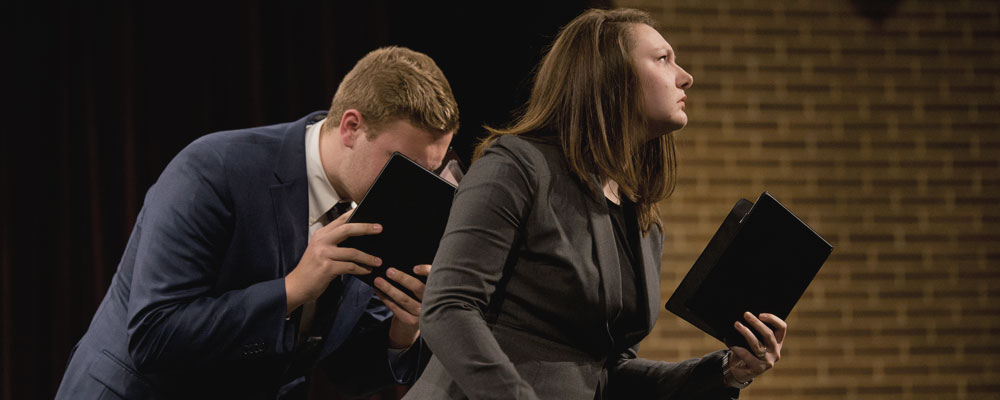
x: 397, y: 365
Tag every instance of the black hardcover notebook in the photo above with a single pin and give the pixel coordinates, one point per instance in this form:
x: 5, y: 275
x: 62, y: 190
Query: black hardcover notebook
x: 412, y: 204
x: 761, y: 259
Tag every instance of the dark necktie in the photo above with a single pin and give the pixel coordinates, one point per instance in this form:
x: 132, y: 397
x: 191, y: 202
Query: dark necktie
x: 337, y: 210
x: 317, y: 318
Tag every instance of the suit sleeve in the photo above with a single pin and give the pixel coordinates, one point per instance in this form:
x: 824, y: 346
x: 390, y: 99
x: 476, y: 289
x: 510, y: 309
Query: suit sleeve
x: 367, y: 351
x: 492, y: 201
x: 631, y: 377
x: 174, y: 318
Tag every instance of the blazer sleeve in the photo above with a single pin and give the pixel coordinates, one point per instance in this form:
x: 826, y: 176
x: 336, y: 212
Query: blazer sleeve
x: 184, y: 231
x: 366, y: 351
x: 630, y: 377
x: 489, y: 207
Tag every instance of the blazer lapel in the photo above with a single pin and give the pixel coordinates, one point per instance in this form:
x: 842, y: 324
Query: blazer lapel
x: 607, y: 254
x: 290, y: 221
x: 649, y: 259
x: 290, y: 194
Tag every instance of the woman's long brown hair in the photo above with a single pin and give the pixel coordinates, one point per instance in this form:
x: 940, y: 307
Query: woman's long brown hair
x: 587, y: 92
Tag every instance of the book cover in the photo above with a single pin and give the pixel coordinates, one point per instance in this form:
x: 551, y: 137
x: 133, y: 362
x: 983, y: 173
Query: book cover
x: 761, y: 259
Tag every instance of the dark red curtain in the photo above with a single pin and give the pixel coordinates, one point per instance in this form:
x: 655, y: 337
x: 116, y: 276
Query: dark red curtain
x: 99, y: 97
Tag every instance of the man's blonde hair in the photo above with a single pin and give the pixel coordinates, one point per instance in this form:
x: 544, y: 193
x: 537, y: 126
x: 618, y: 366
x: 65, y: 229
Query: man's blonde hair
x: 396, y: 83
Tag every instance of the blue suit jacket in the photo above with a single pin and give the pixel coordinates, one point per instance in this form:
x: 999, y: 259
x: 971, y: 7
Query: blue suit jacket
x: 197, y: 305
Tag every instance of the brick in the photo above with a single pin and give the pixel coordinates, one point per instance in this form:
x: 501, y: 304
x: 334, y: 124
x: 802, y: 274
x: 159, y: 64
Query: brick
x: 932, y: 350
x: 848, y: 332
x: 954, y: 294
x: 899, y: 220
x: 898, y: 294
x: 982, y: 350
x: 899, y: 257
x: 872, y: 237
x: 873, y: 313
x: 892, y: 145
x: 985, y: 388
x: 926, y: 238
x: 965, y: 331
x: 905, y: 332
x: 980, y: 312
x: 938, y: 389
x: 976, y: 200
x: 880, y: 390
x: 908, y: 370
x: 975, y: 164
x: 851, y: 371
x: 824, y: 391
x: 926, y: 276
x: 929, y: 312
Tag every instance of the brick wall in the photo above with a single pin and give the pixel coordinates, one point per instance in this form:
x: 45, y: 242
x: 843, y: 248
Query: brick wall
x: 884, y: 138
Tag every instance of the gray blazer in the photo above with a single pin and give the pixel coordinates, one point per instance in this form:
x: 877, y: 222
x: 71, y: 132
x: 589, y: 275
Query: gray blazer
x: 524, y: 285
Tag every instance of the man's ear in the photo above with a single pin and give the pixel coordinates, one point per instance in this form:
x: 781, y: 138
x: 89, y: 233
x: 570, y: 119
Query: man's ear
x: 351, y: 128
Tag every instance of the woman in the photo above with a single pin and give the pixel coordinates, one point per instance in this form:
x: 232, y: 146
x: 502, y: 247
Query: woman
x: 547, y: 276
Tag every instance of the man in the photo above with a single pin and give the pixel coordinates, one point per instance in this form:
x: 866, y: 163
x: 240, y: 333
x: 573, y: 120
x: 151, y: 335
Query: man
x: 218, y: 292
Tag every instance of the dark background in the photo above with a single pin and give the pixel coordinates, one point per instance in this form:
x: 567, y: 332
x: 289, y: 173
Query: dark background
x: 101, y: 96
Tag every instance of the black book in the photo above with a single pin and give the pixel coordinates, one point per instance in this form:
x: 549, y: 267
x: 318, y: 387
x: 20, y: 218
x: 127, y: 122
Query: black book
x: 761, y: 260
x: 412, y: 204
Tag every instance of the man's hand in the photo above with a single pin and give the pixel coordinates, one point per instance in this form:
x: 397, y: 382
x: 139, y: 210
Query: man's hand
x: 324, y: 260
x: 405, y: 326
x: 747, y: 364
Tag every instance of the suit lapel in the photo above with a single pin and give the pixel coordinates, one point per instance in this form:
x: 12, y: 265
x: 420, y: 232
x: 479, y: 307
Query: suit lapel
x: 608, y: 262
x: 290, y: 221
x: 290, y: 194
x: 607, y: 254
x: 649, y: 262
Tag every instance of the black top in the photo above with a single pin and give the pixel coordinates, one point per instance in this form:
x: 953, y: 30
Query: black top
x: 625, y: 224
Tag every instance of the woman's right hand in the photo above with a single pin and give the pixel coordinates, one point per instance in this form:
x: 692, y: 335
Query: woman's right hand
x: 746, y: 364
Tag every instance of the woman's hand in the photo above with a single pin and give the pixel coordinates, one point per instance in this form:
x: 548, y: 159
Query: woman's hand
x: 746, y: 364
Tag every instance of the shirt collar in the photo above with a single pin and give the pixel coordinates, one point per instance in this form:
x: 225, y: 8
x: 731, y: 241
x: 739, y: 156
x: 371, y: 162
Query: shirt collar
x: 322, y: 196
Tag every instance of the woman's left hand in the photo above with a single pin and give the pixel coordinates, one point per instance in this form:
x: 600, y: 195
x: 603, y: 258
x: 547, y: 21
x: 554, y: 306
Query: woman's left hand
x: 746, y: 364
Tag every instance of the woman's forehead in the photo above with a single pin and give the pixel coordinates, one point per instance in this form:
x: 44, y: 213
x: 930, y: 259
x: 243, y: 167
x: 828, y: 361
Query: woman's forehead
x: 649, y: 39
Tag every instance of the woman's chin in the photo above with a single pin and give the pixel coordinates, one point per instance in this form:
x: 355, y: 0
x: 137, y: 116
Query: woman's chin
x: 665, y: 128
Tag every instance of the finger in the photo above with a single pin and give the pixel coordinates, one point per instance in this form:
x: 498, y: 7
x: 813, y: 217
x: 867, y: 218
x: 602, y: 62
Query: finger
x: 340, y: 233
x: 780, y: 327
x: 409, y: 282
x: 347, y: 254
x: 752, y: 341
x: 349, y: 268
x: 330, y: 230
x: 341, y: 220
x: 422, y: 269
x: 765, y: 331
x: 402, y: 299
x: 397, y: 311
